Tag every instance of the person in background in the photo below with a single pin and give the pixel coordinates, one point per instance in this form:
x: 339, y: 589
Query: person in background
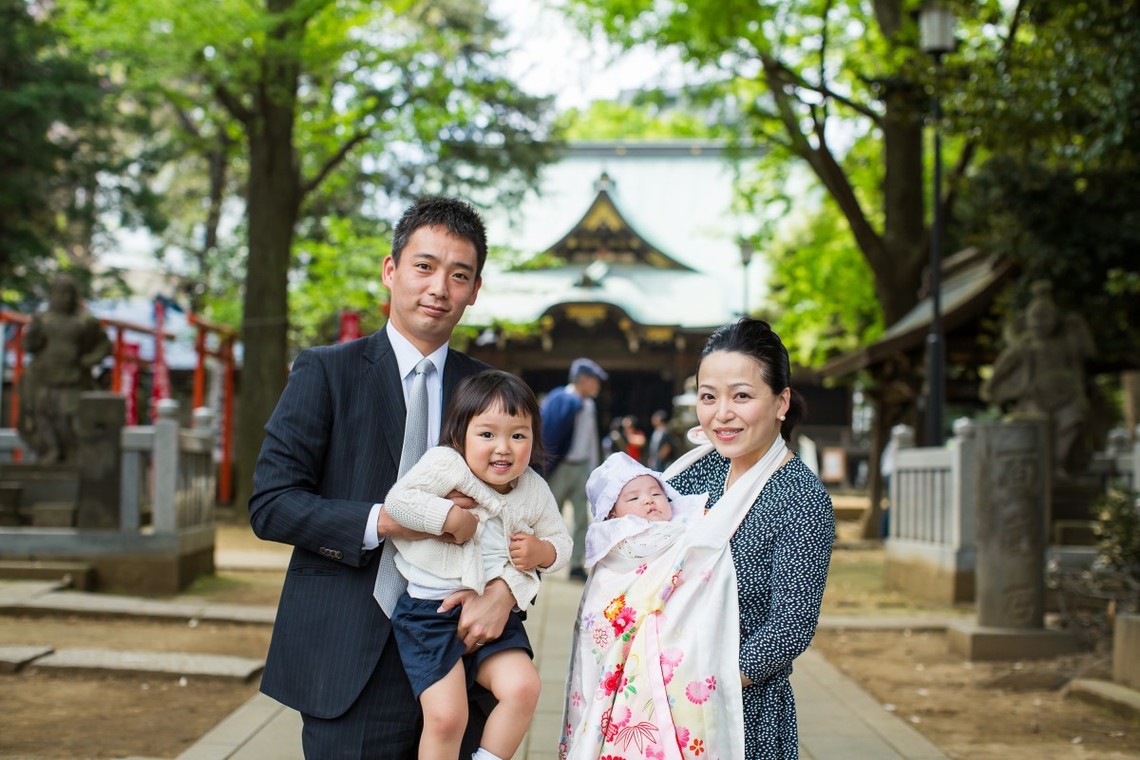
x: 331, y: 453
x: 614, y: 441
x: 663, y: 444
x: 634, y: 438
x: 488, y: 443
x: 570, y: 437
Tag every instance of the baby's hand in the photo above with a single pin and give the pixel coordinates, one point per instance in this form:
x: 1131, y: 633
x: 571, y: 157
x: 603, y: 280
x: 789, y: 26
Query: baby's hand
x: 530, y: 552
x: 460, y: 524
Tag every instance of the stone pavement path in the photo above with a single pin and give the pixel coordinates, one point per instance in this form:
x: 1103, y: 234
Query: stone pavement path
x: 838, y: 720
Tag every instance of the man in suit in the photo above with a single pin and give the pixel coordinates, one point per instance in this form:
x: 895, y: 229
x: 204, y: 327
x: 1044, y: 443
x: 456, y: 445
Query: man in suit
x: 570, y: 437
x: 331, y: 452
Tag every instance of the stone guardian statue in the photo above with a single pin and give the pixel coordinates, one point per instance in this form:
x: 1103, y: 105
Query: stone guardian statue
x: 67, y: 344
x: 1042, y: 372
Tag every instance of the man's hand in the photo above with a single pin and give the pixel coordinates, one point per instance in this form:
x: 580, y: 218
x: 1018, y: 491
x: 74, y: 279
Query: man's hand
x: 460, y: 524
x: 483, y: 616
x: 530, y: 552
x: 386, y: 527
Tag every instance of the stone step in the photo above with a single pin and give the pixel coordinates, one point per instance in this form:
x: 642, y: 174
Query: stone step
x: 150, y: 663
x: 78, y: 575
x: 14, y: 658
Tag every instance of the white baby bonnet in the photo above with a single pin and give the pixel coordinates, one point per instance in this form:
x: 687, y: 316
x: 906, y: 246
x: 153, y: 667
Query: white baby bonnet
x: 602, y: 489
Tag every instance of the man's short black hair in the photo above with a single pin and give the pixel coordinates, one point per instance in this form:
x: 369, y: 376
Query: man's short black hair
x: 455, y: 215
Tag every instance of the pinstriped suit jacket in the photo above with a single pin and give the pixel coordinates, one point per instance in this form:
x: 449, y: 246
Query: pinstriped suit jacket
x: 331, y: 451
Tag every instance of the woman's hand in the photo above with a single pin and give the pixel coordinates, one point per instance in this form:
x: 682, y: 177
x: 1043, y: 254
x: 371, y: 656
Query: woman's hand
x: 530, y: 552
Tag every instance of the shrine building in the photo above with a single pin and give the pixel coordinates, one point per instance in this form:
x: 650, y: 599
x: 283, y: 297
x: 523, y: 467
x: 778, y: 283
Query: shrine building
x: 611, y: 290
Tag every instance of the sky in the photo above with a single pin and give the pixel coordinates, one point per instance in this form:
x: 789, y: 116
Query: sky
x: 552, y: 57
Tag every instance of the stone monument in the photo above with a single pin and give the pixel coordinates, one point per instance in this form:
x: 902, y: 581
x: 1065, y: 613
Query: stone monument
x: 1010, y: 496
x: 67, y: 344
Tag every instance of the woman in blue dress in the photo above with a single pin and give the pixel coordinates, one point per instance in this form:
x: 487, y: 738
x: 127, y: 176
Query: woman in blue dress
x: 782, y: 548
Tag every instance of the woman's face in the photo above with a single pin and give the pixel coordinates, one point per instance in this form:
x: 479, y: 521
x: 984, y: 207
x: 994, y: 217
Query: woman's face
x: 737, y: 410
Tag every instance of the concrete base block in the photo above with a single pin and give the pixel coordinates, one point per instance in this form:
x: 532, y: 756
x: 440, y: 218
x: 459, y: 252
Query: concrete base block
x: 150, y: 564
x: 975, y: 642
x: 53, y: 514
x: 1126, y: 650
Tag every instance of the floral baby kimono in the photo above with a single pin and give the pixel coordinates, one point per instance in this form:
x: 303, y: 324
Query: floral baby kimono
x: 655, y: 656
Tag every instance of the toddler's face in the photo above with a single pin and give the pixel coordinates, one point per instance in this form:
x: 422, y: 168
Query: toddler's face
x: 643, y: 496
x: 498, y: 447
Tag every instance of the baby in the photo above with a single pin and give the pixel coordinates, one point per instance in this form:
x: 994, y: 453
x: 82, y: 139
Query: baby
x: 636, y: 514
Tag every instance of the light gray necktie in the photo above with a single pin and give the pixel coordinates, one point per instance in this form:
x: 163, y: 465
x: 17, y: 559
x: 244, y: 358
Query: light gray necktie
x: 389, y: 583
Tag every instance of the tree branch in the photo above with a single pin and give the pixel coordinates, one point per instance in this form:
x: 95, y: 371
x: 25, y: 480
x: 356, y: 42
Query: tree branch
x: 957, y: 175
x: 231, y: 102
x: 307, y: 186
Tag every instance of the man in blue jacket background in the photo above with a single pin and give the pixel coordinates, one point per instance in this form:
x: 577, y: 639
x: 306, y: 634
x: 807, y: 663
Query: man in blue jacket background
x: 570, y: 435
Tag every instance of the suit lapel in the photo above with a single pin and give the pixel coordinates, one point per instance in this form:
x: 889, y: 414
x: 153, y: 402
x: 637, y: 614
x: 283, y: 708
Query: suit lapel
x: 383, y: 375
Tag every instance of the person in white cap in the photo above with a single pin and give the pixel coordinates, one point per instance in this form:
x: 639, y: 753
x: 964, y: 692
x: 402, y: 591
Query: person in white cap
x: 570, y: 436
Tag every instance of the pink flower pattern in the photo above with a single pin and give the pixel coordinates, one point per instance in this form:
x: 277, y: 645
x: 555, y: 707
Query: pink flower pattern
x: 623, y: 620
x: 697, y: 692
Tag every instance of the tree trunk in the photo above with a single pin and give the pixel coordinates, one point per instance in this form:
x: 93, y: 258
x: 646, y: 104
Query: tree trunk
x: 904, y: 228
x: 274, y: 196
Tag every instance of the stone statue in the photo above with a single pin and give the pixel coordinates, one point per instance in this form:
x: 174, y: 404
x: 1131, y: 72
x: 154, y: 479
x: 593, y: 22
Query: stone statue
x: 67, y: 344
x: 1042, y: 371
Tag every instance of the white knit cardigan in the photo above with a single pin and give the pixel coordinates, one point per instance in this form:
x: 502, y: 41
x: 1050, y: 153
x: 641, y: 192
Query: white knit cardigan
x: 417, y: 501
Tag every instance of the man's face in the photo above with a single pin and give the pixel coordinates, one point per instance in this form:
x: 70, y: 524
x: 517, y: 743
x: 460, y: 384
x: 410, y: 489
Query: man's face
x: 432, y: 286
x: 588, y: 385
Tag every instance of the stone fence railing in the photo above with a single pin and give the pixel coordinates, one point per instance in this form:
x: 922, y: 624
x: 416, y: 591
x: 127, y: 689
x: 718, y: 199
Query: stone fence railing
x: 168, y: 472
x: 931, y: 543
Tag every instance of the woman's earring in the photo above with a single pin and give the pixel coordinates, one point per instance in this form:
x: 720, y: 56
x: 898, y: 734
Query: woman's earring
x: 781, y: 418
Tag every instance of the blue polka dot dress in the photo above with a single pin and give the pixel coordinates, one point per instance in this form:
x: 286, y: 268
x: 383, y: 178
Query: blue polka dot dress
x: 781, y: 552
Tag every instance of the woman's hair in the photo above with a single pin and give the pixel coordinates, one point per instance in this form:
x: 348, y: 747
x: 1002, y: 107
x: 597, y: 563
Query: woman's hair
x: 754, y: 338
x: 491, y: 389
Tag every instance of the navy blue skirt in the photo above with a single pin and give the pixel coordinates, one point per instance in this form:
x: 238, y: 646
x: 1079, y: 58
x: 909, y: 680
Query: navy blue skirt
x: 429, y: 645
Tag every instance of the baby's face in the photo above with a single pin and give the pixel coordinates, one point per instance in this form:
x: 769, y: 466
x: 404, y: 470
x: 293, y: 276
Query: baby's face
x: 643, y: 496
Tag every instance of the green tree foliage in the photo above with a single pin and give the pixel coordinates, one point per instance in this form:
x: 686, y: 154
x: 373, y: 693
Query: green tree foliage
x: 48, y: 103
x: 333, y: 105
x: 822, y: 297
x: 1058, y: 185
x: 611, y: 120
x: 806, y: 79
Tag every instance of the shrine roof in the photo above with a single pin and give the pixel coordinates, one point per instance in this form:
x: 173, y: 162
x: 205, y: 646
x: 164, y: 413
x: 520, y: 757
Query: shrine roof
x: 970, y: 282
x: 683, y: 298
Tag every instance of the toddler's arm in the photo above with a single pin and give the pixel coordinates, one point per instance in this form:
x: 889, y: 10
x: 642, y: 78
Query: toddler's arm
x: 419, y: 500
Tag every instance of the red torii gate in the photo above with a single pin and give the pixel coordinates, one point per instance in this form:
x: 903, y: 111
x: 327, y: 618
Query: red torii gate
x: 121, y: 356
x: 224, y: 352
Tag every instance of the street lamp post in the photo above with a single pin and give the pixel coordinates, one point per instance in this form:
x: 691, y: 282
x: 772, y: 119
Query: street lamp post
x: 936, y: 27
x: 745, y: 259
